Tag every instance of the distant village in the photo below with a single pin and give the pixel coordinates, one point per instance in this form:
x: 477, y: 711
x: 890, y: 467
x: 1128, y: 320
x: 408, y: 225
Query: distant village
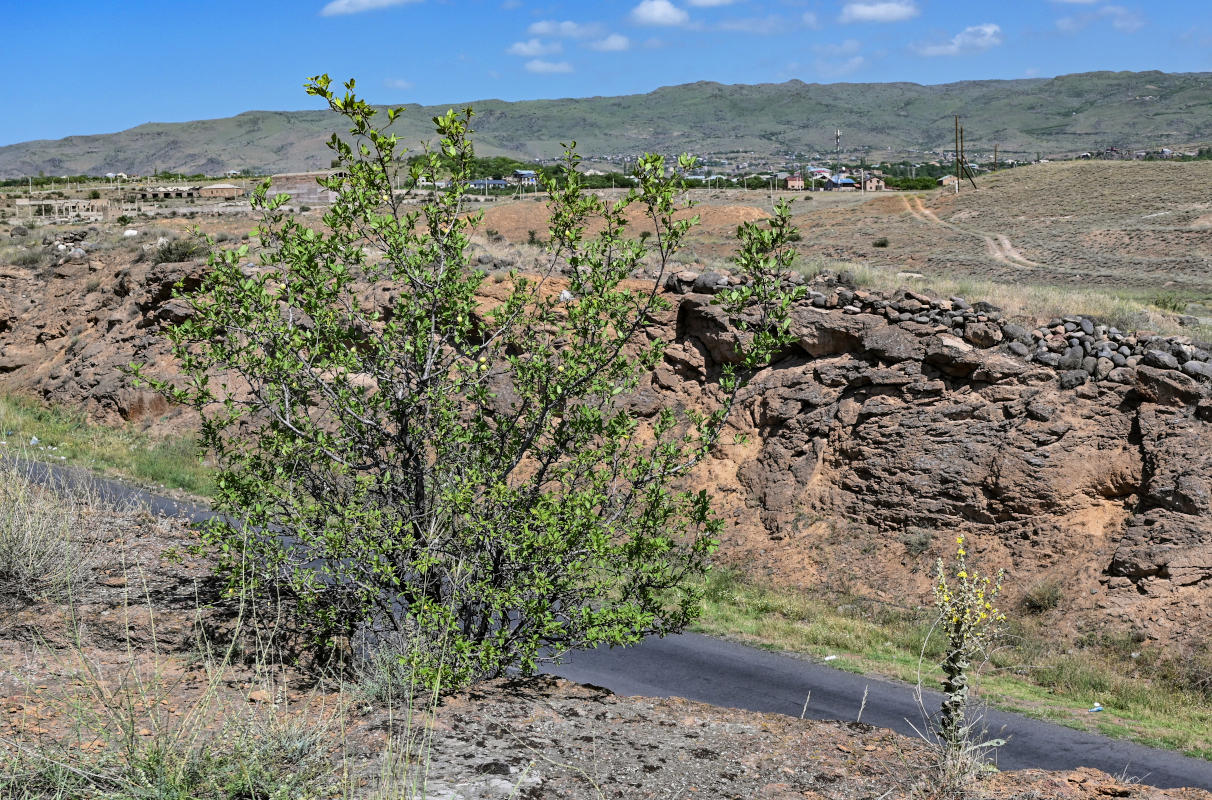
x: 117, y: 194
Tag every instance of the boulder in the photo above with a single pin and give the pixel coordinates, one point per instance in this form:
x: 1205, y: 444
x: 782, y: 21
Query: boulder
x: 1166, y: 386
x: 983, y: 334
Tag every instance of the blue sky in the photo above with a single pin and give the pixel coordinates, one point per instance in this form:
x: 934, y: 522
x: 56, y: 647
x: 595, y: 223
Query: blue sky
x: 80, y: 67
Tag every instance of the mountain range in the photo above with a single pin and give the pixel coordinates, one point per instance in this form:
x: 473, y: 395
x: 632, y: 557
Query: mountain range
x: 1057, y: 116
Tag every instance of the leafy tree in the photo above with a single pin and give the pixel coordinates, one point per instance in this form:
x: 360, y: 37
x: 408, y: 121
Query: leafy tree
x: 431, y: 462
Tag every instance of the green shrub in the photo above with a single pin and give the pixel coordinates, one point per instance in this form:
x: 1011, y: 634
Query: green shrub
x: 32, y: 257
x: 1042, y: 596
x: 1170, y: 301
x: 917, y: 540
x: 413, y: 498
x: 94, y: 195
x: 880, y: 242
x: 179, y: 250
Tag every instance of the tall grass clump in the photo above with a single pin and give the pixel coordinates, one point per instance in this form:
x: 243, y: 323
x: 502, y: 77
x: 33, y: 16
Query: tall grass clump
x: 43, y: 552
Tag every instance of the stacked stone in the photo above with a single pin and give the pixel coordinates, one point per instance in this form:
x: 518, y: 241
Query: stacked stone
x: 1080, y: 348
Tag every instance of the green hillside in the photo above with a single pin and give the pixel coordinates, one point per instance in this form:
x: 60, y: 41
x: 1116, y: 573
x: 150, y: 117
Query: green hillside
x: 1051, y: 116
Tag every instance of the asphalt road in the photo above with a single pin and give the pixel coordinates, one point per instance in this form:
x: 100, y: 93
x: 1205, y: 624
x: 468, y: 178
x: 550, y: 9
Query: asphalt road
x: 728, y: 674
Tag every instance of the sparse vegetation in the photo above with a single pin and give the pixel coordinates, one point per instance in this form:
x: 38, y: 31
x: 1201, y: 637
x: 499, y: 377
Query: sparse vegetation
x: 67, y: 435
x: 44, y: 549
x: 917, y: 540
x: 1170, y: 301
x: 179, y: 250
x: 880, y: 242
x: 1043, y: 596
x: 1148, y: 695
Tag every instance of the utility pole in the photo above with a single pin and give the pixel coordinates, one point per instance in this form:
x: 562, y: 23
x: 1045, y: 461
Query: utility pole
x: 837, y: 153
x: 957, y: 154
x: 995, y: 157
x: 964, y: 160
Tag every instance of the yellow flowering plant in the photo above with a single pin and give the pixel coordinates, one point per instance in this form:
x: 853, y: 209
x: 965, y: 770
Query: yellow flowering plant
x: 967, y: 615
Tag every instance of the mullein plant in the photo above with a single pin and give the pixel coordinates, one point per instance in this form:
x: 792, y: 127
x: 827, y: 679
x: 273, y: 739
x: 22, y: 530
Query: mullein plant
x: 965, y: 601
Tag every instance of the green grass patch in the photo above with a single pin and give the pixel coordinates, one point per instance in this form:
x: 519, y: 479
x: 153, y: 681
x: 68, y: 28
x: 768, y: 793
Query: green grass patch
x: 67, y: 436
x: 1149, y: 696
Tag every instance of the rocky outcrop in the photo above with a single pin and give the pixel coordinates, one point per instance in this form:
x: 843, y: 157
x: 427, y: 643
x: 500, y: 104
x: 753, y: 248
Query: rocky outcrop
x: 68, y: 336
x: 903, y: 417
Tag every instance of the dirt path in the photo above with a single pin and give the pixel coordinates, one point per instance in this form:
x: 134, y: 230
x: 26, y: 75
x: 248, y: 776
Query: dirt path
x: 997, y: 246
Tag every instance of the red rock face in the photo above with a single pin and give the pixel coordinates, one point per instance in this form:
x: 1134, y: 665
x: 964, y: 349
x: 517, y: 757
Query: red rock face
x: 871, y: 438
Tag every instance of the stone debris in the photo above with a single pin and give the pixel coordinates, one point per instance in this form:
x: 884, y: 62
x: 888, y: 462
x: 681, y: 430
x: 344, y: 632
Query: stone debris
x: 1068, y: 344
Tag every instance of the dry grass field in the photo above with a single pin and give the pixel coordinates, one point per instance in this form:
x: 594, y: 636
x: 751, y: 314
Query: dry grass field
x: 1136, y: 227
x: 1143, y: 226
x: 1128, y: 242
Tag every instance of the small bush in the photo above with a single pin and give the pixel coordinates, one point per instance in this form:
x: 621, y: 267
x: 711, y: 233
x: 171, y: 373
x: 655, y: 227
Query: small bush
x: 1170, y: 301
x: 124, y: 220
x: 179, y: 250
x: 94, y: 195
x: 880, y: 242
x: 917, y: 540
x: 304, y: 209
x: 1043, y: 596
x: 29, y: 258
x: 532, y: 238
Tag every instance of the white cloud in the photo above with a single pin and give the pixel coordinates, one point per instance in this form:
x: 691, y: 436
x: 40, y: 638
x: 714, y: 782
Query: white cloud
x: 889, y: 11
x: 810, y: 20
x: 709, y: 3
x: 338, y: 7
x: 398, y: 83
x: 613, y: 43
x: 835, y: 59
x: 566, y: 29
x: 1121, y: 18
x: 534, y: 47
x: 970, y: 40
x: 848, y: 47
x: 760, y: 25
x: 658, y: 12
x: 542, y: 67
